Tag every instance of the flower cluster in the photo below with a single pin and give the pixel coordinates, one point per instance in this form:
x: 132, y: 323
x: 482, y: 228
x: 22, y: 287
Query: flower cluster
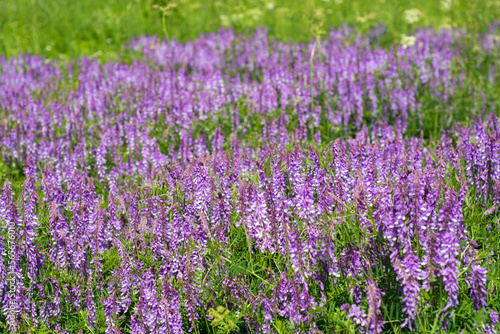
x: 208, y: 184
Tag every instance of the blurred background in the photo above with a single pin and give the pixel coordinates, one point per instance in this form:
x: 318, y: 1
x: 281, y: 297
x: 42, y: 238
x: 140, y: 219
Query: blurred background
x: 65, y: 28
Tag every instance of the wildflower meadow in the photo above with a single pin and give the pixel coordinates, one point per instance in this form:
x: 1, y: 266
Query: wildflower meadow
x: 240, y: 182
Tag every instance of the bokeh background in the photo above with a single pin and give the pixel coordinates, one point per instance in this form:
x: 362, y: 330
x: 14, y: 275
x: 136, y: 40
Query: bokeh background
x: 66, y: 28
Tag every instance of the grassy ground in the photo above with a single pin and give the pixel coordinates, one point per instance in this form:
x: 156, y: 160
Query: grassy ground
x: 65, y: 28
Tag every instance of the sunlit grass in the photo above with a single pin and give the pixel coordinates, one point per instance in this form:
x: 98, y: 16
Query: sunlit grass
x: 65, y: 29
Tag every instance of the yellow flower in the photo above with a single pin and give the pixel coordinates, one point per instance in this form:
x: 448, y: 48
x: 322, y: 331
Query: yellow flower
x: 224, y: 19
x: 365, y: 18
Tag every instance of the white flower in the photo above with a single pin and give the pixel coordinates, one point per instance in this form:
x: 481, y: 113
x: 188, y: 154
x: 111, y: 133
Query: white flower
x: 446, y: 4
x: 254, y: 13
x: 412, y: 15
x: 407, y: 41
x: 270, y: 5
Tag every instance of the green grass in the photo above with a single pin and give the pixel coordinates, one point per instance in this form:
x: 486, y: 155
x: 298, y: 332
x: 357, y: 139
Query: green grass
x: 66, y: 29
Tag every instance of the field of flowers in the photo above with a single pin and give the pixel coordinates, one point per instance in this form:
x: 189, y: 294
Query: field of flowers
x: 240, y: 184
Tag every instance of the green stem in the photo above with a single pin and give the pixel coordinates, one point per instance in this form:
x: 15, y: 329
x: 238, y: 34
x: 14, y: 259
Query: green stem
x: 164, y: 25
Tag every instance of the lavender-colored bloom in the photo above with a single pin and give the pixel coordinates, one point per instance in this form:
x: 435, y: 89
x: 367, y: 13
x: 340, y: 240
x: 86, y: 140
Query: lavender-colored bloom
x: 477, y: 280
x: 357, y: 315
x: 138, y: 211
x: 449, y: 267
x: 494, y: 317
x: 409, y: 273
x: 170, y: 311
x: 375, y: 318
x: 90, y: 306
x: 111, y: 310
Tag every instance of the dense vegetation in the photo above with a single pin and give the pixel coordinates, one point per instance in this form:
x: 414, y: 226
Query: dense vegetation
x: 65, y: 29
x: 342, y: 180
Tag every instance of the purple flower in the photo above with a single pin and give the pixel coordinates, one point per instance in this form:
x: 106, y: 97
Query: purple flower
x: 494, y: 317
x: 357, y: 315
x: 477, y: 280
x: 449, y: 267
x: 409, y: 273
x: 375, y: 318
